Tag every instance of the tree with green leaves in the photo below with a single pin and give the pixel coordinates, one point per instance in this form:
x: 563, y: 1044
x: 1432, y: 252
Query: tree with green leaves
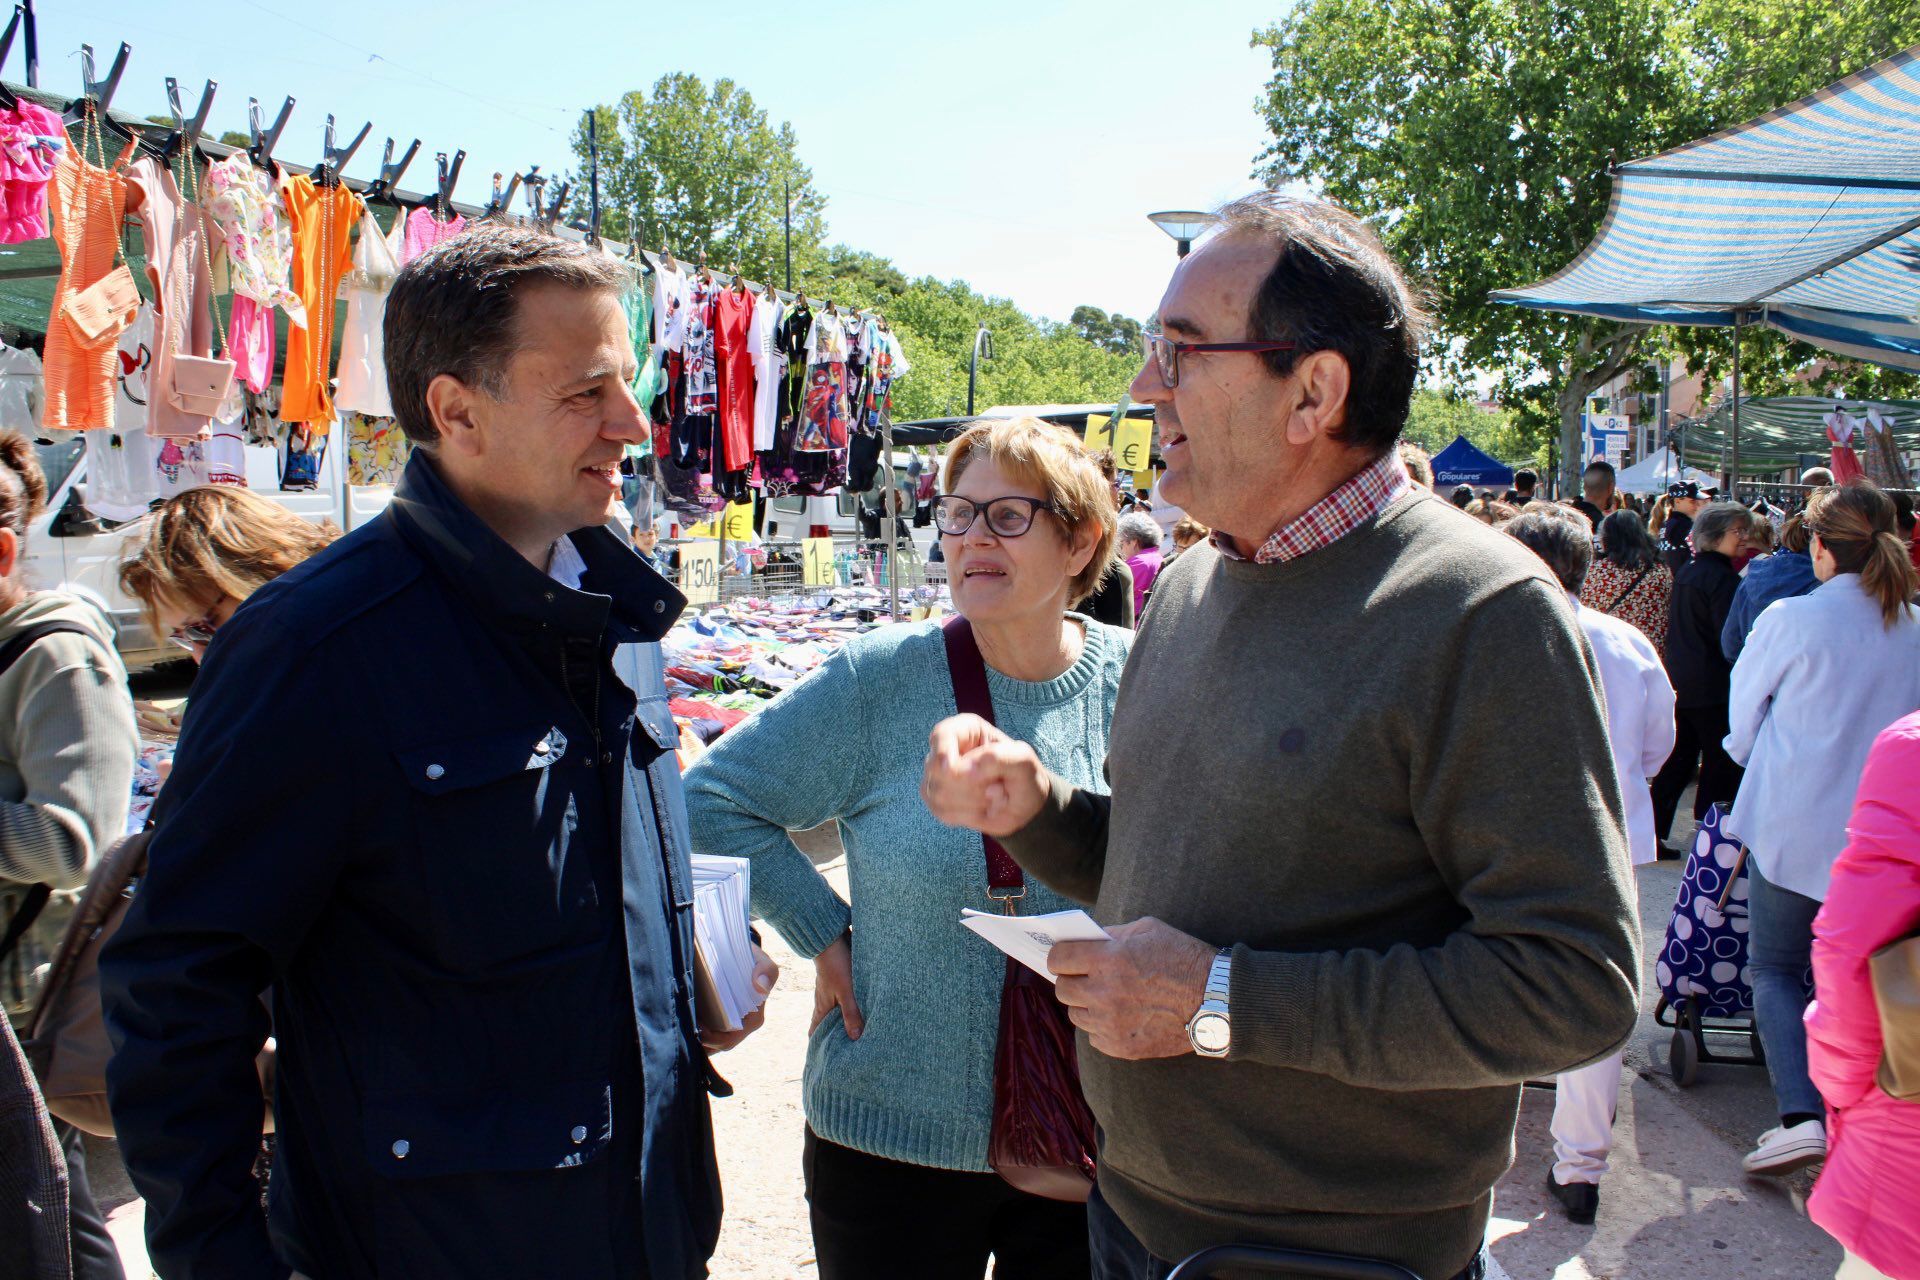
x: 1112, y: 332
x: 1477, y: 136
x: 702, y: 171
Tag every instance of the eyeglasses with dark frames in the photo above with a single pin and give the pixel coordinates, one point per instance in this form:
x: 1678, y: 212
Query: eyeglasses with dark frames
x: 1165, y: 352
x: 198, y: 632
x: 1007, y: 517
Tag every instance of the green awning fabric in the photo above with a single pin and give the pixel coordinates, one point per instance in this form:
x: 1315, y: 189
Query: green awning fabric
x: 1776, y: 430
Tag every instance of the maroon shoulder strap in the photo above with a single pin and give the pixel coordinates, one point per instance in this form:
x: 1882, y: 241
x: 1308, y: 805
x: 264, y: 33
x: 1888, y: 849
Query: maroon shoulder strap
x: 968, y: 670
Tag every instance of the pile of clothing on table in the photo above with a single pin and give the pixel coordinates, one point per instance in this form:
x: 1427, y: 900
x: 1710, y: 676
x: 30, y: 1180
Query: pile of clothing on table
x: 722, y: 666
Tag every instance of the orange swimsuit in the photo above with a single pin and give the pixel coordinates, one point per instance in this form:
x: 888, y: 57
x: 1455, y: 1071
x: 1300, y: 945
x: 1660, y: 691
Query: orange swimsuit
x: 317, y: 214
x: 86, y: 211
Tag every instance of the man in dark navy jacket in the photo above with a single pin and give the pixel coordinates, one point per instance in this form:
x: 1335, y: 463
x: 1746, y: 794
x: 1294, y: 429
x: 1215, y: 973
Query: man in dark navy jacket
x: 426, y: 793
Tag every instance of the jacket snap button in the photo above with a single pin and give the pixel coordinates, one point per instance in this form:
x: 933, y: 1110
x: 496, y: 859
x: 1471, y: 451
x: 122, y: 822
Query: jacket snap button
x: 579, y: 1134
x: 435, y: 773
x: 401, y: 1148
x: 659, y: 606
x: 607, y: 758
x: 541, y: 748
x: 549, y: 597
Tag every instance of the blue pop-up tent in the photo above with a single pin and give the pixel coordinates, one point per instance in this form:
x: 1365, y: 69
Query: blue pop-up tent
x: 1461, y: 463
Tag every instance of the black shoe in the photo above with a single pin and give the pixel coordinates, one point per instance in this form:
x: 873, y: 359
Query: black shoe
x: 1670, y: 854
x: 1580, y: 1199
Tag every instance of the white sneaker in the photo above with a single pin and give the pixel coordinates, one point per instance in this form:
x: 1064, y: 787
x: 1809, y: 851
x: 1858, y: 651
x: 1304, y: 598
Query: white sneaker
x: 1783, y: 1150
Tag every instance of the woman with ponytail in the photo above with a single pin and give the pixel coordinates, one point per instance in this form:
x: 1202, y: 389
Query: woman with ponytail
x: 1820, y: 677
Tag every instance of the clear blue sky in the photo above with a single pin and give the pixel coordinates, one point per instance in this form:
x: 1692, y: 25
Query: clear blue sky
x: 1015, y: 144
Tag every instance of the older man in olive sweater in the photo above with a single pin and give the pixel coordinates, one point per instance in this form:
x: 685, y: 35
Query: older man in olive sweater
x: 1335, y: 957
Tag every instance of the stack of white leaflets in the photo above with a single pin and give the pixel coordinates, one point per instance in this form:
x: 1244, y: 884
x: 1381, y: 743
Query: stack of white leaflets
x: 723, y: 962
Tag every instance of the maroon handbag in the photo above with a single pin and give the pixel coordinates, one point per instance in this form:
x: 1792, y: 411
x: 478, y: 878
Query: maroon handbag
x: 1042, y: 1140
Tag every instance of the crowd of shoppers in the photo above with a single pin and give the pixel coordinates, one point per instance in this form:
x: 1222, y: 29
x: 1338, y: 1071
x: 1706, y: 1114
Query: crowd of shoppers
x: 481, y: 952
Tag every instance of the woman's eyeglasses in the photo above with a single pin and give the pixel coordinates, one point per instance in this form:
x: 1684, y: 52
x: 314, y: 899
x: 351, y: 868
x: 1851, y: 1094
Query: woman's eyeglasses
x: 196, y: 634
x: 1165, y: 352
x: 1006, y: 517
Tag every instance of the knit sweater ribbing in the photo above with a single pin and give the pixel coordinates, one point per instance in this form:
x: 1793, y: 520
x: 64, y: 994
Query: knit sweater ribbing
x: 848, y: 743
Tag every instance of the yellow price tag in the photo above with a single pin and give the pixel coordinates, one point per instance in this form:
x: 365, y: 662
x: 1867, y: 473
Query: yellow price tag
x: 1099, y: 433
x: 700, y: 572
x: 739, y: 524
x: 816, y: 556
x: 1133, y: 444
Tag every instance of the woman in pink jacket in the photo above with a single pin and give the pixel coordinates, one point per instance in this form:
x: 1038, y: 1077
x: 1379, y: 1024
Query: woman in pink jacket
x: 1868, y: 1196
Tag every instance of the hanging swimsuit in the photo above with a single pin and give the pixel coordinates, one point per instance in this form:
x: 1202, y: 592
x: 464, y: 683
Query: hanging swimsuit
x: 322, y: 219
x: 424, y: 231
x: 733, y: 351
x: 30, y: 138
x: 247, y: 209
x: 363, y: 361
x: 178, y: 270
x: 88, y: 206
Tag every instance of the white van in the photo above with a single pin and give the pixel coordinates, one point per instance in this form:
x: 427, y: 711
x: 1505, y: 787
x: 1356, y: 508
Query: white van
x: 838, y: 516
x: 87, y: 563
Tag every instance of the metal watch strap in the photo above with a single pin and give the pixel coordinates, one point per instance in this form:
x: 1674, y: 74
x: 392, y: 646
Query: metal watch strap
x: 1220, y: 976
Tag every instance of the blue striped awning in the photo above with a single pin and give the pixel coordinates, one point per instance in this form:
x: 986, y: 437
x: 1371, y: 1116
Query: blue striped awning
x: 1806, y: 219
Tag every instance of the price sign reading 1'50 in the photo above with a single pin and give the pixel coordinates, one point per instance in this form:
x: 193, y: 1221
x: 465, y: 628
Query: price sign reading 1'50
x: 700, y: 572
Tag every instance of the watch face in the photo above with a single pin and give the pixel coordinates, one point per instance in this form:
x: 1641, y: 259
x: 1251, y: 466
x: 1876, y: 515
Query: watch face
x: 1211, y: 1033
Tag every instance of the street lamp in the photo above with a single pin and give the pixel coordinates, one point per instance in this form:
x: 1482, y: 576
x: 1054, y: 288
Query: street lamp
x: 982, y: 346
x: 1184, y: 225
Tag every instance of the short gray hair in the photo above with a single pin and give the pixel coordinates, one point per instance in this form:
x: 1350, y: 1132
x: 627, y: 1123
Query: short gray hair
x: 1139, y: 526
x: 1718, y: 519
x: 453, y: 310
x: 1563, y: 544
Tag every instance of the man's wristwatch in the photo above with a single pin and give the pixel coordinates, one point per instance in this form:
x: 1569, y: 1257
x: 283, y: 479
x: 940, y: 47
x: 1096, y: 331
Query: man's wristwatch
x: 1210, y: 1030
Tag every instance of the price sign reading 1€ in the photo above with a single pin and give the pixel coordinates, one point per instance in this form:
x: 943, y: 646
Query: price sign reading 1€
x: 1132, y: 444
x: 817, y: 557
x: 700, y: 572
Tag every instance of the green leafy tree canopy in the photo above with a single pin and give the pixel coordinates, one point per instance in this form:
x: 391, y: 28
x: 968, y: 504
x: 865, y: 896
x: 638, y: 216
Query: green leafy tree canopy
x: 703, y: 172
x: 1477, y: 135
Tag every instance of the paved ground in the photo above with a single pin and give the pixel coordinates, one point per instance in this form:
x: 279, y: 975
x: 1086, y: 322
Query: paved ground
x: 1675, y: 1206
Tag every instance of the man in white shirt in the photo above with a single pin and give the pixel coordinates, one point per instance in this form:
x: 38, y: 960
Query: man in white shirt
x: 1640, y: 729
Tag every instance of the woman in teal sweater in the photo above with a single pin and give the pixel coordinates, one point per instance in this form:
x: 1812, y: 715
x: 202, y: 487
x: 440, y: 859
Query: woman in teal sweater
x: 898, y: 1085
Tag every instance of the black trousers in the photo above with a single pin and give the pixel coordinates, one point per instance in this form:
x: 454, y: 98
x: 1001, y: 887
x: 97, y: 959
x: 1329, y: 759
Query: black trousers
x: 94, y: 1254
x: 1699, y: 734
x: 1119, y: 1255
x: 880, y: 1219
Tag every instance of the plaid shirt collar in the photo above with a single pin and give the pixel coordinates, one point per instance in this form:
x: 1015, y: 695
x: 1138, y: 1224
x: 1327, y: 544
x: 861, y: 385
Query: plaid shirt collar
x: 1379, y: 485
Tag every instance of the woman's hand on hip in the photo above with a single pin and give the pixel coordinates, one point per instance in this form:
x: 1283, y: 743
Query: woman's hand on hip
x: 833, y: 985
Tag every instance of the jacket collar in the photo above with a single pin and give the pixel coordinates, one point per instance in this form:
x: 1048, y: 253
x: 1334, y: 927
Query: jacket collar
x: 509, y: 591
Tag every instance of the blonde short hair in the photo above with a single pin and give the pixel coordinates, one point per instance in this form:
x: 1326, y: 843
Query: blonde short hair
x: 1054, y: 461
x: 212, y: 542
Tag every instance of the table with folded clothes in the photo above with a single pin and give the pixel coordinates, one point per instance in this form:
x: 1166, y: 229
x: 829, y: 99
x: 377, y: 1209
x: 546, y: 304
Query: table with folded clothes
x: 725, y: 664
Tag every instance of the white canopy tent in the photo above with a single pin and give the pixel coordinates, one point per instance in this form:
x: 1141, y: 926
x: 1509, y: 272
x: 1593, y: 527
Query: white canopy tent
x: 1655, y: 472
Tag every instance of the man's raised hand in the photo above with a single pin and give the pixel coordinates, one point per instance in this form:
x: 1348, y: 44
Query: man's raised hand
x: 978, y: 777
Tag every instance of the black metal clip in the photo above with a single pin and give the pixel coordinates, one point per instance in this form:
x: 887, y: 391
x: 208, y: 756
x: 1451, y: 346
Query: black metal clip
x: 328, y: 171
x: 186, y: 131
x: 261, y: 148
x: 93, y: 89
x: 383, y: 187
